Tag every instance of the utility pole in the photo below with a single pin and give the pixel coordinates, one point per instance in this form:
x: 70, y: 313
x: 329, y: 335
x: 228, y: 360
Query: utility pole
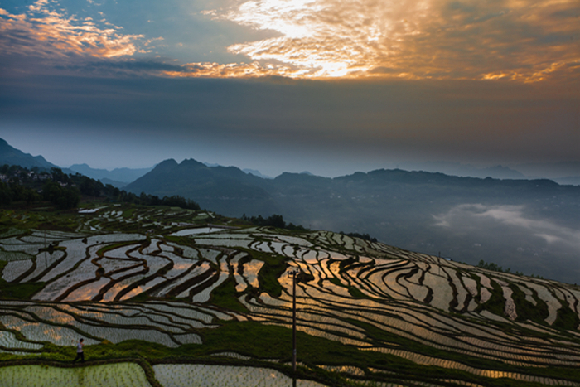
x: 294, y: 320
x: 297, y: 275
x: 45, y: 257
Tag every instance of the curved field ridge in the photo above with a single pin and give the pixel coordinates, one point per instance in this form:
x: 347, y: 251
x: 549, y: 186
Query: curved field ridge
x: 62, y: 324
x: 373, y: 298
x: 111, y: 375
x: 186, y: 375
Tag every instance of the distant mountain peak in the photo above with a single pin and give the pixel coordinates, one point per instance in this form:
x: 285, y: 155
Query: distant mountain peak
x: 190, y: 162
x: 255, y: 173
x: 12, y: 156
x: 167, y: 162
x: 117, y: 177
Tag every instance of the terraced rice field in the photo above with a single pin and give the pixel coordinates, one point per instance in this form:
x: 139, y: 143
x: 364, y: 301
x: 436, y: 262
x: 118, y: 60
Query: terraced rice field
x: 373, y: 298
x: 185, y: 375
x: 114, y: 375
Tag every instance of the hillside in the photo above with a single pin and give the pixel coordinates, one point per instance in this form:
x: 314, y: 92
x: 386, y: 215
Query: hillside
x: 512, y: 222
x: 12, y: 156
x: 192, y: 292
x: 226, y: 190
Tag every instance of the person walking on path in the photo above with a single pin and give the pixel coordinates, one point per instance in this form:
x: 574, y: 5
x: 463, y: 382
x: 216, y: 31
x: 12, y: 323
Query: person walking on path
x: 80, y: 353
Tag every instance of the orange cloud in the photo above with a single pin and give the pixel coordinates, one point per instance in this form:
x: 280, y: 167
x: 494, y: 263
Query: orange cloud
x: 232, y: 70
x: 49, y: 33
x: 523, y: 40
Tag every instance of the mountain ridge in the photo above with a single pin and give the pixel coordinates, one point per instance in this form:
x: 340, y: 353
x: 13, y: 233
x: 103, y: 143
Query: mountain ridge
x: 121, y: 175
x: 522, y: 223
x: 465, y: 217
x: 12, y: 156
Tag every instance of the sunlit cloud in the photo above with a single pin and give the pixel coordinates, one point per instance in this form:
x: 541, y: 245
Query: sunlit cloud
x: 50, y: 33
x: 232, y: 70
x: 518, y: 40
x: 522, y: 40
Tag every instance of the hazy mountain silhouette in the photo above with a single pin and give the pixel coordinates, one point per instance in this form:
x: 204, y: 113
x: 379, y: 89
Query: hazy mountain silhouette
x: 13, y: 156
x: 520, y: 224
x: 462, y: 170
x: 255, y: 173
x: 528, y: 225
x: 116, y: 177
x: 226, y: 190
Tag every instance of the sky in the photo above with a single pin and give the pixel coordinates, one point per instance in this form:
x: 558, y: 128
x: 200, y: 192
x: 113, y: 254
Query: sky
x: 326, y: 86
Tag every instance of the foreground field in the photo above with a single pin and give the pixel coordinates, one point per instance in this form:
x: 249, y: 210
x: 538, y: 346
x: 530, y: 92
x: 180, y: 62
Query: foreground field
x: 180, y: 291
x: 131, y: 374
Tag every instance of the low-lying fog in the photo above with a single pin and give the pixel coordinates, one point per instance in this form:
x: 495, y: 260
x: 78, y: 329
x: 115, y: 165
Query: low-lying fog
x: 511, y: 238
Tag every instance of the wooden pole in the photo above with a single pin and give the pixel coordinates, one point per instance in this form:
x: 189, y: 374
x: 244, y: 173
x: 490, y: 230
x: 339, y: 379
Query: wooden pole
x: 294, y: 321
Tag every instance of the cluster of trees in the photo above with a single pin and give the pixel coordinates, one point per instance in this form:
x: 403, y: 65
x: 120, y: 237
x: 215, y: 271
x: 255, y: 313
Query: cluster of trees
x: 361, y: 236
x: 62, y: 197
x: 494, y: 267
x: 16, y: 192
x: 173, y: 201
x: 65, y: 191
x: 273, y: 221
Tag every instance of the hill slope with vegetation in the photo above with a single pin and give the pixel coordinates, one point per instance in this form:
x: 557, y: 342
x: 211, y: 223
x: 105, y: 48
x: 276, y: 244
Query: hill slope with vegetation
x: 12, y: 156
x: 170, y: 289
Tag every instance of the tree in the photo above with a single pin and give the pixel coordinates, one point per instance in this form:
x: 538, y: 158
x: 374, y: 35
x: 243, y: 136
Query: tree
x: 63, y: 197
x: 5, y: 194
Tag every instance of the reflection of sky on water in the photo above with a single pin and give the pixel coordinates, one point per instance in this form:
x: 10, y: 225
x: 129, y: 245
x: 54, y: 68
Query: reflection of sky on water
x: 251, y: 270
x: 133, y: 292
x: 325, y: 307
x: 182, y: 266
x: 195, y: 231
x: 407, y: 322
x: 49, y: 314
x: 37, y: 331
x: 87, y: 292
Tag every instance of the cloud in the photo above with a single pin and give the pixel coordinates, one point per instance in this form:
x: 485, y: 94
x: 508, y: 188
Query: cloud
x: 476, y: 217
x: 523, y: 40
x: 45, y: 32
x: 118, y: 66
x: 232, y: 70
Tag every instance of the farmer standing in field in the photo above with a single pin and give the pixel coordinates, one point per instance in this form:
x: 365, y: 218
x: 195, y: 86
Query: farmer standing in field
x: 80, y: 353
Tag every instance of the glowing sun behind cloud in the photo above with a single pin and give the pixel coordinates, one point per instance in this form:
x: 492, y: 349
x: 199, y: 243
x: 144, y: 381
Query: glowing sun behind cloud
x: 525, y: 40
x: 521, y: 40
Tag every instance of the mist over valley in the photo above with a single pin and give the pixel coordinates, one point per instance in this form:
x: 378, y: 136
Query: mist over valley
x: 527, y: 226
x: 530, y: 226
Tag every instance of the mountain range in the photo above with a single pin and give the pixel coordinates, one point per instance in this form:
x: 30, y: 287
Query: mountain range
x: 118, y: 177
x: 12, y: 156
x: 527, y: 225
x: 522, y: 224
